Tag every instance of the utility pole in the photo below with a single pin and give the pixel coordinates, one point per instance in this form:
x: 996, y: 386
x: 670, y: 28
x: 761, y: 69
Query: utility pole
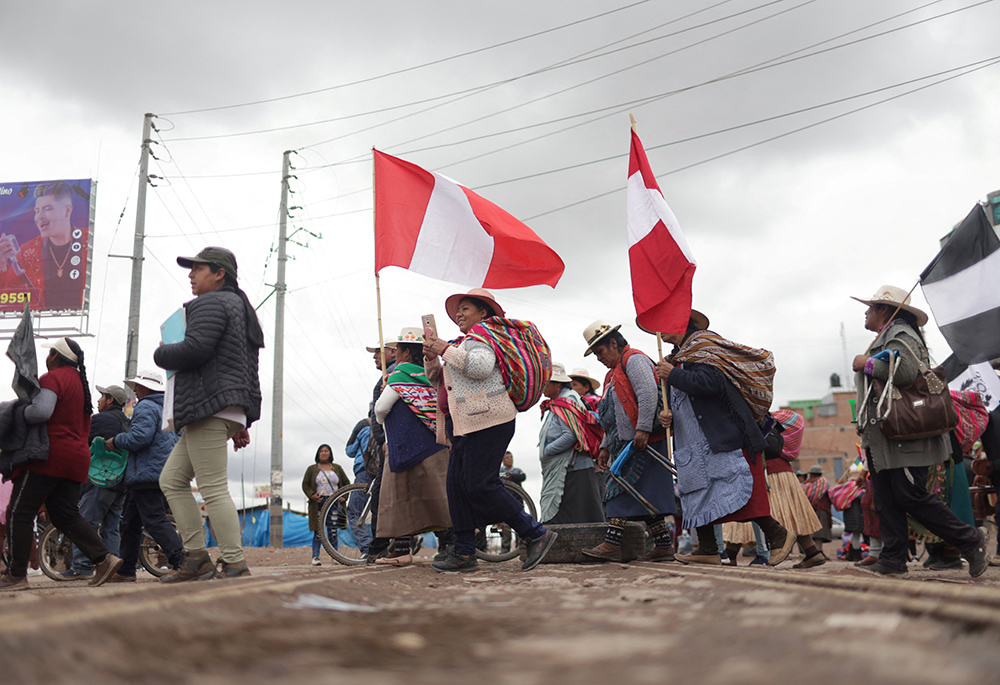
x: 132, y: 346
x: 277, y: 465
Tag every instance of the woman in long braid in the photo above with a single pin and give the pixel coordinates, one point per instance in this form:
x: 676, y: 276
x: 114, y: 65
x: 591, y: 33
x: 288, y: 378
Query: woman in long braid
x: 64, y: 405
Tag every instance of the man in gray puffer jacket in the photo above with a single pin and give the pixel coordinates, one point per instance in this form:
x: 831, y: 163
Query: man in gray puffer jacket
x: 149, y: 446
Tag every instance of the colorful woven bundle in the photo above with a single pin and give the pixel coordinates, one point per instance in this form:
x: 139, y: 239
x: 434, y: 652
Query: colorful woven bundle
x: 750, y: 369
x: 582, y: 423
x: 794, y: 426
x: 816, y: 490
x: 522, y: 355
x: 411, y: 384
x: 844, y: 494
x: 972, y: 418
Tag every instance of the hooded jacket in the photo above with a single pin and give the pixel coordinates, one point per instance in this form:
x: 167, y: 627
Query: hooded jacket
x: 147, y: 443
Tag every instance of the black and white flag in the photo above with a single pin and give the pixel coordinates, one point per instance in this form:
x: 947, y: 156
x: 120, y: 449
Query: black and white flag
x: 979, y: 378
x: 962, y: 287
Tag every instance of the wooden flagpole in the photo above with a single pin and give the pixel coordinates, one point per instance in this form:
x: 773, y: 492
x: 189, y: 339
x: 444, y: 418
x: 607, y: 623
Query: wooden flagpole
x: 659, y: 349
x: 378, y: 289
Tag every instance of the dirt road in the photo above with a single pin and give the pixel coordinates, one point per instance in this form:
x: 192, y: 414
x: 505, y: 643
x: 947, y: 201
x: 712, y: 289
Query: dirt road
x: 614, y: 623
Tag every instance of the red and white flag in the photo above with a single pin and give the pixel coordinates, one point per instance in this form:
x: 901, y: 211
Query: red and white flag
x: 661, y: 262
x: 428, y: 223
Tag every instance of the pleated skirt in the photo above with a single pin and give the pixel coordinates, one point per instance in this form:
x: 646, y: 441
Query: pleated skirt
x: 738, y: 533
x: 790, y: 506
x: 415, y: 500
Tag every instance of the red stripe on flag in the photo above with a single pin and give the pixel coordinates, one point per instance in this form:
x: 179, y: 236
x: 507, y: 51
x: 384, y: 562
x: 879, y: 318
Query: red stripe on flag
x: 637, y: 161
x: 520, y: 257
x: 661, y: 273
x: 661, y: 282
x: 402, y: 191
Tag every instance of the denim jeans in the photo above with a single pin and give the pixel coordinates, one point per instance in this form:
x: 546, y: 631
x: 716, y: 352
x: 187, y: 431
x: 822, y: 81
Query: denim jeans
x: 762, y: 550
x: 355, y: 505
x: 102, y: 509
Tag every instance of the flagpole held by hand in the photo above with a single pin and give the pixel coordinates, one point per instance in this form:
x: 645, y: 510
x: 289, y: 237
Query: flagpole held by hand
x: 663, y: 389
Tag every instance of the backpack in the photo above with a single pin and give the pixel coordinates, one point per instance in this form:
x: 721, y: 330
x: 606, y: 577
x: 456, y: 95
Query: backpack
x: 106, y: 468
x: 522, y: 354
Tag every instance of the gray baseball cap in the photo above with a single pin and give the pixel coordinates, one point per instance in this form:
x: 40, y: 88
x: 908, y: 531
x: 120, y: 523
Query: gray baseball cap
x: 116, y: 392
x: 212, y: 255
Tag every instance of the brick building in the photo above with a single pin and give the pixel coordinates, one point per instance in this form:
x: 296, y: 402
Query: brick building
x: 830, y: 439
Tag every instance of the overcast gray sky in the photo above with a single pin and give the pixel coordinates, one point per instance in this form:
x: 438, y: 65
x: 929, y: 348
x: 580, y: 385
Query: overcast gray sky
x: 783, y: 230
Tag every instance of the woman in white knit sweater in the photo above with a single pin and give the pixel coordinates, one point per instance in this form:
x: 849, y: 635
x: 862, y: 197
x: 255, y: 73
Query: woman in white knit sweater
x: 480, y: 425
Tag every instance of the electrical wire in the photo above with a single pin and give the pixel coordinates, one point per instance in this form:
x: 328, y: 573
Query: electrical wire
x: 769, y: 140
x: 413, y: 68
x: 761, y: 66
x: 468, y: 92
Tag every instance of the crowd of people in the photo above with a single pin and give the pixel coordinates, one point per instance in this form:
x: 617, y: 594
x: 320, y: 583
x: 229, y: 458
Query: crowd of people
x: 687, y: 443
x: 728, y: 479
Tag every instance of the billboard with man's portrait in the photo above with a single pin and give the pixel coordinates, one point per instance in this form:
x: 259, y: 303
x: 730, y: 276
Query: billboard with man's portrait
x: 46, y: 240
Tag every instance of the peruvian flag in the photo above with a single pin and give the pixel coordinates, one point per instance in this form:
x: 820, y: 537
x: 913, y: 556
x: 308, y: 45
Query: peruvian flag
x: 428, y: 223
x: 661, y: 261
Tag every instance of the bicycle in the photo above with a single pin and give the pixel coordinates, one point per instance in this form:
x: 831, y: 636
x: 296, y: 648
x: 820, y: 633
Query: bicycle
x: 339, y: 515
x: 55, y: 553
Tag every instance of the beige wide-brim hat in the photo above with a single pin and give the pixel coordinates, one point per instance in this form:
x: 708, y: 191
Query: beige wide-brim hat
x: 596, y: 332
x: 62, y: 347
x: 559, y: 373
x: 390, y: 343
x: 582, y: 373
x: 700, y: 322
x: 451, y: 304
x: 894, y: 297
x: 151, y: 380
x: 410, y: 335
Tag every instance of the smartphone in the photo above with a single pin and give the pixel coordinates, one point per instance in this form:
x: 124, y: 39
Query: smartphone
x: 428, y: 322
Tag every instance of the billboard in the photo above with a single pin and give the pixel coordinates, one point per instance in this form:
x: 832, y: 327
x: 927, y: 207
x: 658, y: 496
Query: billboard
x: 46, y: 241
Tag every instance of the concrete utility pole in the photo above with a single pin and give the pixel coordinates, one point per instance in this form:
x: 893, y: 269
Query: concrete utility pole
x: 132, y: 345
x: 277, y: 465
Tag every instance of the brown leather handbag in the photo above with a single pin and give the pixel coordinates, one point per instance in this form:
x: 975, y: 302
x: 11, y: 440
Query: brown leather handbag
x: 922, y: 410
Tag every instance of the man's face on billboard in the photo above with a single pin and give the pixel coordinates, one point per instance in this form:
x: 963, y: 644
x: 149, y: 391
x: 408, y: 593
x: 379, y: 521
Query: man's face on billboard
x: 52, y: 218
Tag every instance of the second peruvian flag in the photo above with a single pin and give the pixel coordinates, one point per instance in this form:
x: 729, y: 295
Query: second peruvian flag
x: 661, y: 262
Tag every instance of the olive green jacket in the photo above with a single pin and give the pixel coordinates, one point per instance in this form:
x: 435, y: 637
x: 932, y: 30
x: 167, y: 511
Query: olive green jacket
x: 896, y: 454
x: 309, y: 487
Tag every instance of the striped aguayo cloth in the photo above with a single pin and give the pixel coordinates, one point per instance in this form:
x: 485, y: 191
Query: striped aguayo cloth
x: 410, y: 382
x: 972, y: 418
x: 794, y: 426
x: 750, y: 369
x: 522, y: 355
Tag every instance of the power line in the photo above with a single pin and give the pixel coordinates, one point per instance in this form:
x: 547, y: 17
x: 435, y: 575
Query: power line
x: 468, y: 92
x: 769, y: 140
x: 728, y: 129
x: 760, y: 66
x: 413, y: 68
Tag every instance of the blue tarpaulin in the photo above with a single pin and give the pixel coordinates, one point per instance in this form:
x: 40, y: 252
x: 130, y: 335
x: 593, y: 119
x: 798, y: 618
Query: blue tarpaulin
x: 256, y: 524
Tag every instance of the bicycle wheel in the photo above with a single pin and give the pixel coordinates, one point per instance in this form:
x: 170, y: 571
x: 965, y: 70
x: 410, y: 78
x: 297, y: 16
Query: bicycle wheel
x: 151, y: 556
x: 344, y: 519
x: 498, y: 542
x: 55, y: 552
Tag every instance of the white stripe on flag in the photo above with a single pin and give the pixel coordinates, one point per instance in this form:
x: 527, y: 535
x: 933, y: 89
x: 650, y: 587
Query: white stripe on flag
x: 967, y: 293
x: 452, y: 245
x: 646, y: 207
